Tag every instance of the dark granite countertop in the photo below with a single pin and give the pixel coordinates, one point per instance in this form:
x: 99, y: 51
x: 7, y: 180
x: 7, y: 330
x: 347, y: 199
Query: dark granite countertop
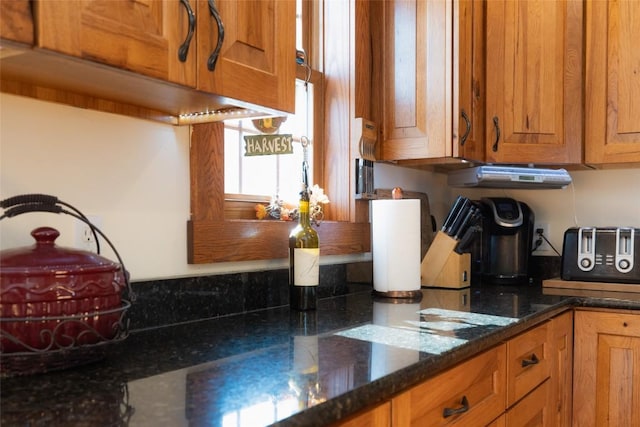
x: 275, y: 366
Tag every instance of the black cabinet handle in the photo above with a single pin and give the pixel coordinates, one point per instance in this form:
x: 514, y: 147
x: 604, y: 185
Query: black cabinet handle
x: 497, y: 126
x: 468, y: 131
x: 213, y: 58
x: 454, y: 411
x: 528, y: 362
x: 184, y: 47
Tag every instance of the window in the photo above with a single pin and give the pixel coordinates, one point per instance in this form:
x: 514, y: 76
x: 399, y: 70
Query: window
x: 258, y: 178
x: 271, y: 175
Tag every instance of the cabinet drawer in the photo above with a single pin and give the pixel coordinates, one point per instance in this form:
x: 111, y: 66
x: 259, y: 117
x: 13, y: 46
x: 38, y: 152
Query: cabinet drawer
x: 534, y: 410
x: 379, y: 416
x: 528, y: 362
x: 471, y: 393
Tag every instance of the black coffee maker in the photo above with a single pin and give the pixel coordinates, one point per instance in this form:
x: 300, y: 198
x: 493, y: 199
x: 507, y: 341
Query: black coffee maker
x: 502, y: 254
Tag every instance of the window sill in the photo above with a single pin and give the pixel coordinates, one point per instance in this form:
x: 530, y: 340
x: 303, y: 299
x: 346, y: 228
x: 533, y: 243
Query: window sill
x: 249, y: 240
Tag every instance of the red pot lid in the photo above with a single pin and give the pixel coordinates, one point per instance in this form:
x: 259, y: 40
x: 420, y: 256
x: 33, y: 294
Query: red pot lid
x: 45, y: 258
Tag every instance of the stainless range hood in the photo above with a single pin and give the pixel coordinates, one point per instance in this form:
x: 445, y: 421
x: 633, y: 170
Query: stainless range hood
x: 494, y: 176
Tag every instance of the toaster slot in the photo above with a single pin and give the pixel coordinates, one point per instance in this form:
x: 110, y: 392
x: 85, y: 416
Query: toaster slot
x: 624, y: 249
x: 586, y: 248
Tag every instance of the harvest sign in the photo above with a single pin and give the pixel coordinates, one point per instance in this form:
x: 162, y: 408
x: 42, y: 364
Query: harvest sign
x: 263, y: 145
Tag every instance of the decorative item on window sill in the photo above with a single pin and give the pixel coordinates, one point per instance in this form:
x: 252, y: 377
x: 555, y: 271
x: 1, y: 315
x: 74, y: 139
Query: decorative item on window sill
x: 279, y: 209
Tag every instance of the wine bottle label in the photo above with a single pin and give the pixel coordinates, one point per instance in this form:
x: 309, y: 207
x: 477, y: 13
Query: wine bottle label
x: 306, y: 266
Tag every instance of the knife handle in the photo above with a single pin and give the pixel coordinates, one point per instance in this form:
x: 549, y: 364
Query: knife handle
x: 452, y: 212
x: 460, y: 216
x: 465, y: 222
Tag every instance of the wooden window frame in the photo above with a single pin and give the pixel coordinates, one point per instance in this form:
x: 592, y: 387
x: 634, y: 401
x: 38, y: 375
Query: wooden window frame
x: 213, y: 237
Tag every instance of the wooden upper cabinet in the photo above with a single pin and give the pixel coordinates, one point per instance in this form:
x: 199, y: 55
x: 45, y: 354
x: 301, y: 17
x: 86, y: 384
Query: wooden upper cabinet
x: 16, y: 22
x: 468, y: 76
x: 417, y: 86
x: 256, y: 59
x: 612, y: 126
x: 534, y: 81
x: 142, y: 36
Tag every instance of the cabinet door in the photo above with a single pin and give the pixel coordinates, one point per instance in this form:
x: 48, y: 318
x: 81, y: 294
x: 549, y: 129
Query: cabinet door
x: 417, y: 64
x: 468, y: 85
x: 16, y: 22
x: 143, y: 36
x: 470, y: 394
x: 561, y: 368
x: 534, y: 81
x: 606, y: 390
x: 256, y: 60
x: 612, y: 126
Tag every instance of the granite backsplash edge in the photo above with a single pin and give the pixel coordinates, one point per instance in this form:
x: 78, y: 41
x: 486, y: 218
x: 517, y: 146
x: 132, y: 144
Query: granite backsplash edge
x: 166, y: 302
x: 171, y: 301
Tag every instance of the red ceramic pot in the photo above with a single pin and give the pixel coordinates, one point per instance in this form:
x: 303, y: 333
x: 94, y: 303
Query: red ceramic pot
x: 54, y: 298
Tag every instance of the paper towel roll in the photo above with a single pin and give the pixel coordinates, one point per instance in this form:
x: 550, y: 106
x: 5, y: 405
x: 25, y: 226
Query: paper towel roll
x: 395, y: 244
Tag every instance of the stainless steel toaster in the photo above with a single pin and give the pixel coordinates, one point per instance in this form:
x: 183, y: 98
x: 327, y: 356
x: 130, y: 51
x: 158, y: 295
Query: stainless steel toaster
x: 601, y: 254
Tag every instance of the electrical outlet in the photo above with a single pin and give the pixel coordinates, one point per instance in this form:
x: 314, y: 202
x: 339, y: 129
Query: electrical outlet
x: 85, y: 239
x: 544, y: 246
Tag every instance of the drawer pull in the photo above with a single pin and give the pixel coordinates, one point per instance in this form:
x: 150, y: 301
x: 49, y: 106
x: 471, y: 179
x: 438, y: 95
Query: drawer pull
x: 461, y: 410
x: 528, y: 362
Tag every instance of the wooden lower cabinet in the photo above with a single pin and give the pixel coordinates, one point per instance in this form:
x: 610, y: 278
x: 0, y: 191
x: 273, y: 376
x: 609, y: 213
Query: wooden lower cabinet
x: 525, y: 381
x: 562, y: 368
x: 379, y: 416
x: 501, y: 421
x: 536, y: 409
x: 606, y: 388
x: 528, y: 362
x: 472, y: 393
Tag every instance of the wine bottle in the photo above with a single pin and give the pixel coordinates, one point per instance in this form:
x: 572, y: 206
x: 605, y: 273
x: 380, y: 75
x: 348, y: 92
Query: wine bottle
x: 304, y: 259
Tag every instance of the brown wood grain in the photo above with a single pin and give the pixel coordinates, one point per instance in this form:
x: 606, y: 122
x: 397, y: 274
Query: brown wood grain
x: 257, y: 59
x: 221, y: 241
x: 522, y: 379
x: 16, y: 21
x: 561, y: 369
x: 211, y: 237
x: 533, y: 410
x: 469, y: 80
x: 338, y: 178
x: 481, y: 379
x: 606, y: 368
x: 143, y: 38
x: 534, y: 87
x: 82, y: 100
x: 612, y: 124
x: 417, y: 82
x: 379, y: 416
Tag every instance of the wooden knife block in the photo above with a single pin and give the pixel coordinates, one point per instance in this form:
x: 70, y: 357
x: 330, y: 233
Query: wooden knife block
x: 442, y: 267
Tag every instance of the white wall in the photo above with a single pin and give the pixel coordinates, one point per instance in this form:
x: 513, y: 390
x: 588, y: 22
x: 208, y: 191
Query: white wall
x: 595, y: 198
x: 135, y: 175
